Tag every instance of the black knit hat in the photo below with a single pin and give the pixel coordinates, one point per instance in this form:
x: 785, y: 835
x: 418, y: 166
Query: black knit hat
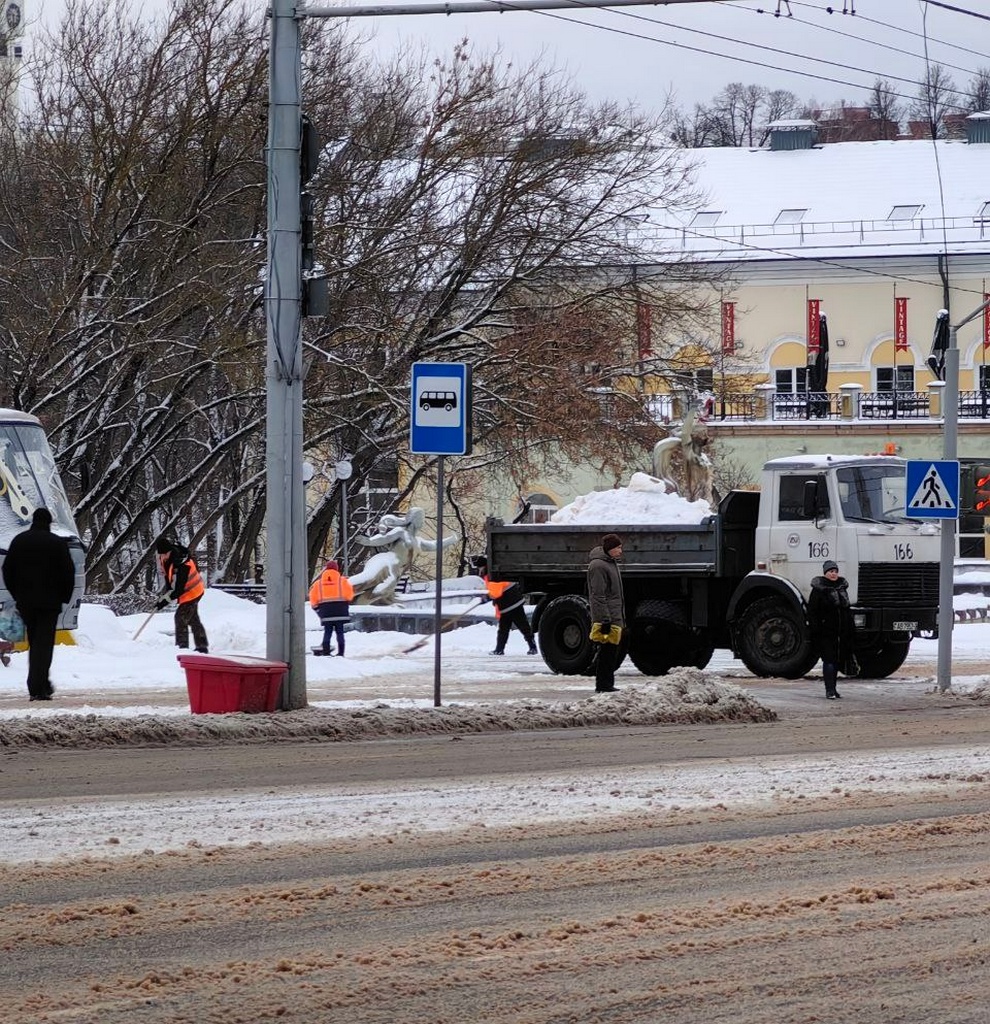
x: 829, y: 565
x: 611, y: 540
x: 41, y: 517
x: 162, y: 546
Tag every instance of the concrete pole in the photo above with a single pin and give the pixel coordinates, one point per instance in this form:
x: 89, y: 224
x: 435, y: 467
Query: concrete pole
x: 286, y: 519
x: 947, y: 560
x: 950, y: 413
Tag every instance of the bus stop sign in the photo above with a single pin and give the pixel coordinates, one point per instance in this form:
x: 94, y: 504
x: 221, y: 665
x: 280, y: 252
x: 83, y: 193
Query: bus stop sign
x: 440, y: 412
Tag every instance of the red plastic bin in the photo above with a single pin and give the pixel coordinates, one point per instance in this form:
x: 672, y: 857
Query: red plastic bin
x: 237, y: 682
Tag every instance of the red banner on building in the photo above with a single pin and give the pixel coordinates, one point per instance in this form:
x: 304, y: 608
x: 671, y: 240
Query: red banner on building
x: 814, y: 326
x: 900, y: 325
x: 986, y: 323
x: 644, y: 329
x: 728, y: 328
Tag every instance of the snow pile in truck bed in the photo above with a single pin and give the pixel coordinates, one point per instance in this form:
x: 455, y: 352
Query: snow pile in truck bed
x: 645, y: 500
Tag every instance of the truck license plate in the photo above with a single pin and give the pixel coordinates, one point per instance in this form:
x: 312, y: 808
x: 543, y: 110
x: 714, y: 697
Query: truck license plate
x: 906, y: 627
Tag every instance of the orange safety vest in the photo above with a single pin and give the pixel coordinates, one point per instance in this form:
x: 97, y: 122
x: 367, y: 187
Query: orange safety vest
x: 330, y: 586
x: 194, y: 584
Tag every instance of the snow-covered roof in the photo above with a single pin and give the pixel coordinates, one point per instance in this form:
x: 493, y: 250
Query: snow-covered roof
x: 848, y: 192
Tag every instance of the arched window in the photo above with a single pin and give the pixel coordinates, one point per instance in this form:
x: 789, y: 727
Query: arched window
x: 541, y: 508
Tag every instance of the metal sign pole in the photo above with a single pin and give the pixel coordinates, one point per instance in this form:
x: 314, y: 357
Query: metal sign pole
x: 947, y: 554
x: 438, y: 595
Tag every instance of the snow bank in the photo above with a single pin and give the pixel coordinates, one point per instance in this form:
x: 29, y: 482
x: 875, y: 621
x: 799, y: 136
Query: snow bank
x: 686, y: 695
x: 645, y: 500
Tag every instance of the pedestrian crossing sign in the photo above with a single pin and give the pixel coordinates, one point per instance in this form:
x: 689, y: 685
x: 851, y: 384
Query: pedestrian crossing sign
x: 932, y: 489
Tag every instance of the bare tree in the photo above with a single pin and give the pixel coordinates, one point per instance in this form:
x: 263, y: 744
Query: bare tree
x: 978, y: 92
x: 885, y: 108
x: 466, y: 212
x: 513, y: 210
x: 935, y: 99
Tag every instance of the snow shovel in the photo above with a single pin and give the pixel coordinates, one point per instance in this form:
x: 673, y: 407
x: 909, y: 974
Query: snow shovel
x: 450, y: 622
x: 151, y: 615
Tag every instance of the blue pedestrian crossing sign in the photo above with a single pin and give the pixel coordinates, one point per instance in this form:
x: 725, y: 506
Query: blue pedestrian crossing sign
x: 440, y: 412
x: 932, y: 489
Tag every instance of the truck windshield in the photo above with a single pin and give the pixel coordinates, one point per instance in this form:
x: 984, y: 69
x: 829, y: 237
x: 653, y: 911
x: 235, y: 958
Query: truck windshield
x: 873, y: 494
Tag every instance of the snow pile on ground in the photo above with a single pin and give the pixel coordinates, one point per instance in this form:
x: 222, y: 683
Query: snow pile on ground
x: 685, y: 696
x: 645, y: 500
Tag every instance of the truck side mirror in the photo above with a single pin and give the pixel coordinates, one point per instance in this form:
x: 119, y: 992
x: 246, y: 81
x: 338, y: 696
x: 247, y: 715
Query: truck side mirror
x: 811, y: 503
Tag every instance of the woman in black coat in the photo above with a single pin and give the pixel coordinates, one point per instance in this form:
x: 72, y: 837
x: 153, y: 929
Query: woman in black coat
x: 830, y: 620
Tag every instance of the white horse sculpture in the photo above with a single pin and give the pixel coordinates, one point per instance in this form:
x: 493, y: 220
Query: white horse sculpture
x: 376, y: 582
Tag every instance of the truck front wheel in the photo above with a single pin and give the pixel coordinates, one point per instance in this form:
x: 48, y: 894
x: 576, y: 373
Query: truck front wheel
x: 882, y: 661
x: 774, y: 641
x: 565, y: 626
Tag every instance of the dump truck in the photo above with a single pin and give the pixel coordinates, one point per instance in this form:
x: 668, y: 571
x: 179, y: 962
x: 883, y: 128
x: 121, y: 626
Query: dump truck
x: 740, y: 579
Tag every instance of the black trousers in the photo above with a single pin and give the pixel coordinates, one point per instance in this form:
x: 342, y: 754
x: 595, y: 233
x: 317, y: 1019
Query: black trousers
x: 605, y: 666
x: 329, y: 629
x: 517, y: 618
x: 186, y: 618
x: 830, y: 670
x: 40, y: 626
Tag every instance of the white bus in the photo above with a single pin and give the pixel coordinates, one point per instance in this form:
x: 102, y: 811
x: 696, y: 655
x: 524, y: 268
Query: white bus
x: 29, y: 480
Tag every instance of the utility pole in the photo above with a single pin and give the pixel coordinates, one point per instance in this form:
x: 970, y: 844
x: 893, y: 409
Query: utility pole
x: 285, y: 575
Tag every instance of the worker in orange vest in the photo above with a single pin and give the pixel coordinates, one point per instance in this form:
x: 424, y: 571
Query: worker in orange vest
x: 508, y: 599
x: 183, y: 584
x: 331, y: 596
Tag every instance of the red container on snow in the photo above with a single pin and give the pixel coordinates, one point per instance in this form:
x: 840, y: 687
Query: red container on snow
x: 237, y: 682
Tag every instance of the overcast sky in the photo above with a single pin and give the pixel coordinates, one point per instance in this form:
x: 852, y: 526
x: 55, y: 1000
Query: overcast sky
x: 642, y: 53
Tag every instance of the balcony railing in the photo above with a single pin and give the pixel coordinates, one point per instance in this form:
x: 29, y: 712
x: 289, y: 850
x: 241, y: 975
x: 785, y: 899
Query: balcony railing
x: 806, y: 405
x: 826, y: 406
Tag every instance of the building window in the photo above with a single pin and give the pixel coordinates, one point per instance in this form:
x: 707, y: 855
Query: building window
x: 984, y: 377
x: 378, y: 495
x: 790, y: 216
x: 895, y: 378
x: 695, y: 381
x: 705, y: 218
x: 793, y: 381
x: 539, y: 508
x: 908, y: 212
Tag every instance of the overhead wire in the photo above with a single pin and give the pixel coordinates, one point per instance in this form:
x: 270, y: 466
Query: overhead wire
x: 745, y: 60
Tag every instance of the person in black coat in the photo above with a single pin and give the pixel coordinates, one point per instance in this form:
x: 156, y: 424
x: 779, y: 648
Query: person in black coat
x: 831, y: 624
x: 40, y: 575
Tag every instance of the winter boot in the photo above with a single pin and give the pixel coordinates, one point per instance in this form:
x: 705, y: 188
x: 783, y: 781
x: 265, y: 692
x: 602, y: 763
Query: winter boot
x: 532, y: 649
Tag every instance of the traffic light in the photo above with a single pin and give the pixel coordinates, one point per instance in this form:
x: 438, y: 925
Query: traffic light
x: 981, y: 490
x: 314, y: 290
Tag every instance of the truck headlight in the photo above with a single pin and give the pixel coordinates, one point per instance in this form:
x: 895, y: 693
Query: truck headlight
x: 859, y: 620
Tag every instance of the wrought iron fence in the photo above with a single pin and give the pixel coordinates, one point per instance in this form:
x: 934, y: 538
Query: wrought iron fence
x: 805, y: 405
x: 974, y: 404
x: 894, y: 405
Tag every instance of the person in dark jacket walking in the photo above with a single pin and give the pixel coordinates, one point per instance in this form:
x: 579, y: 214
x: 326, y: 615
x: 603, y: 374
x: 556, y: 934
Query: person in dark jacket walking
x: 330, y: 597
x: 831, y: 624
x: 40, y: 575
x: 608, y: 610
x: 183, y: 584
x: 509, y: 600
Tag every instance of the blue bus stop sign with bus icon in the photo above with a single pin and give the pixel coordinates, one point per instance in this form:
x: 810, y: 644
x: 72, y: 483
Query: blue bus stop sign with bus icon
x: 440, y: 410
x: 932, y: 489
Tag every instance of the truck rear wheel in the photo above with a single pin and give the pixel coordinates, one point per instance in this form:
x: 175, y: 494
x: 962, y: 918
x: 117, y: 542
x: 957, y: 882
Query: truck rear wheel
x: 565, y: 625
x: 774, y: 641
x: 882, y: 661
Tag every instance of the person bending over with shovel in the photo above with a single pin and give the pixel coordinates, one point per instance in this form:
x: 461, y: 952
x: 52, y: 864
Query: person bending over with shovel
x: 183, y: 584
